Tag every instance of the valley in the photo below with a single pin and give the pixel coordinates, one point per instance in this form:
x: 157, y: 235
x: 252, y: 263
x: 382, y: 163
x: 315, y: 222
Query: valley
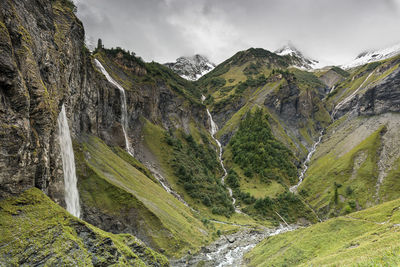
x: 266, y: 159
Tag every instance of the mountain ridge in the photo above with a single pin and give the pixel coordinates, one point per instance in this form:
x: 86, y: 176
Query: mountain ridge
x: 168, y: 190
x: 191, y: 68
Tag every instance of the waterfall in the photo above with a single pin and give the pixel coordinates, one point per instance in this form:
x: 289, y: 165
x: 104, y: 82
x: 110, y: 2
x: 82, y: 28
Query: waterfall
x: 124, y: 111
x: 213, y: 131
x: 305, y: 164
x: 67, y: 155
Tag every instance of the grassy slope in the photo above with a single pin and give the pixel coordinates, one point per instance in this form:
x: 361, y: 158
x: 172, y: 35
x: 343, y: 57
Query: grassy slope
x: 333, y: 167
x: 367, y: 238
x: 223, y: 84
x: 154, y: 140
x: 113, y: 185
x: 225, y: 96
x: 34, y: 231
x: 347, y: 158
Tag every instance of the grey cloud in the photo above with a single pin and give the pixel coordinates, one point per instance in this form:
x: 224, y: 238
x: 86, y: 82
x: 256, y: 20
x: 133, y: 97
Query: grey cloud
x: 162, y: 30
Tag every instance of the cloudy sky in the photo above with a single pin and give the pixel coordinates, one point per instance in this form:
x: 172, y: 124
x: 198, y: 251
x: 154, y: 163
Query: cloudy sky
x: 332, y: 31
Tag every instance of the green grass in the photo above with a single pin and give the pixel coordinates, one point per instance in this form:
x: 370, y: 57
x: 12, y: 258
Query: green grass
x: 390, y: 187
x: 259, y: 189
x: 169, y: 224
x: 154, y: 139
x: 331, y: 168
x: 367, y: 238
x: 35, y: 231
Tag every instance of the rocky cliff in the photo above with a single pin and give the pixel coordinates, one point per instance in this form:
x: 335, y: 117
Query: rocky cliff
x: 44, y: 64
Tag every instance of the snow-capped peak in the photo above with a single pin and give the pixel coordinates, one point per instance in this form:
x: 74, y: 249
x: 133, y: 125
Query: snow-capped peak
x: 288, y: 49
x: 297, y: 58
x: 191, y: 68
x: 372, y: 56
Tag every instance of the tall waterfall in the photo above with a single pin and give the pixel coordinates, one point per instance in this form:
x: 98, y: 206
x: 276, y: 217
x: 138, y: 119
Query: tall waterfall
x: 67, y: 155
x: 124, y: 111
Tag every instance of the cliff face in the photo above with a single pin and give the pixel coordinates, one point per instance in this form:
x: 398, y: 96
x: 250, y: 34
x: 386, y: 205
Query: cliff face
x: 44, y: 64
x: 378, y: 94
x: 40, y: 65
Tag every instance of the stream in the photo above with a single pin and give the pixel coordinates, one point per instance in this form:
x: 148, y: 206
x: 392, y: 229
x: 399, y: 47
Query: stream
x: 229, y: 250
x: 305, y: 164
x: 213, y: 131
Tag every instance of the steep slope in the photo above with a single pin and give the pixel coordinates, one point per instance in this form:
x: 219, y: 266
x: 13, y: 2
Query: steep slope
x: 331, y: 76
x: 36, y: 231
x: 366, y: 238
x: 169, y: 130
x: 257, y: 77
x: 45, y: 66
x: 291, y: 101
x: 356, y: 164
x: 119, y: 198
x: 191, y: 68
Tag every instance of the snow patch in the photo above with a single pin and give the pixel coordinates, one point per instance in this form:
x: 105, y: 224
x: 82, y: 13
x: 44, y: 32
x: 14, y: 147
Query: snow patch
x: 373, y: 56
x: 191, y: 68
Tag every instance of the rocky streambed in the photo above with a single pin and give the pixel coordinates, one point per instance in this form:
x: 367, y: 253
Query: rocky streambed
x: 230, y: 249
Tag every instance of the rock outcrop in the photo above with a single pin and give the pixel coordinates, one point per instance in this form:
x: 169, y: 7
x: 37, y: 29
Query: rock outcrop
x: 45, y: 64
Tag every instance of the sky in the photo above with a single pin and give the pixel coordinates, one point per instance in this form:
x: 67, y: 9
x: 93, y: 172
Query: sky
x: 332, y: 31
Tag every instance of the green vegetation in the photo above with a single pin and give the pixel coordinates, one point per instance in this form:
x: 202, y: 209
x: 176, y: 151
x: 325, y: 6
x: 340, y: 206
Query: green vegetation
x: 340, y: 71
x: 307, y: 79
x: 114, y: 187
x: 196, y: 166
x: 356, y: 169
x: 130, y: 56
x: 261, y: 169
x: 36, y: 231
x: 155, y: 74
x: 66, y: 4
x: 367, y: 238
x: 257, y: 151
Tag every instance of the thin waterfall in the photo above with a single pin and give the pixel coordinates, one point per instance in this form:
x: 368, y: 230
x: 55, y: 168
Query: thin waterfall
x: 335, y: 110
x: 67, y: 155
x: 213, y: 131
x: 124, y: 111
x: 306, y: 162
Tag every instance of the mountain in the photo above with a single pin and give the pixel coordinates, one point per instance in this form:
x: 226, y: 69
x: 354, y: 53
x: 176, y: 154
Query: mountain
x: 297, y: 58
x: 373, y: 56
x: 160, y: 168
x: 191, y: 68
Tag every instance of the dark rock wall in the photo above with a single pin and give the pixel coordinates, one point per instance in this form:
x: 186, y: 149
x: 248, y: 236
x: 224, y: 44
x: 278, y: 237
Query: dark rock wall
x: 44, y: 64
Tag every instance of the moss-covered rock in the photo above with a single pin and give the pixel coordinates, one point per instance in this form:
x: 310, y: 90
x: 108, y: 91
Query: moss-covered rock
x: 36, y: 231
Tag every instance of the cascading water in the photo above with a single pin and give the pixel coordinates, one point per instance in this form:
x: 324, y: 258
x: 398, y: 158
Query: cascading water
x: 213, y: 131
x: 230, y: 249
x: 305, y: 164
x: 124, y: 112
x: 335, y: 110
x: 67, y: 155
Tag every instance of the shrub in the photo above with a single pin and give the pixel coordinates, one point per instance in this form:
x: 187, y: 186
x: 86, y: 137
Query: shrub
x: 257, y: 151
x: 196, y: 165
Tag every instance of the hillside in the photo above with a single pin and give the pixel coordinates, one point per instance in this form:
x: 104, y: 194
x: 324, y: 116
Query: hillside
x: 365, y: 238
x: 47, y: 234
x: 357, y: 157
x: 106, y: 159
